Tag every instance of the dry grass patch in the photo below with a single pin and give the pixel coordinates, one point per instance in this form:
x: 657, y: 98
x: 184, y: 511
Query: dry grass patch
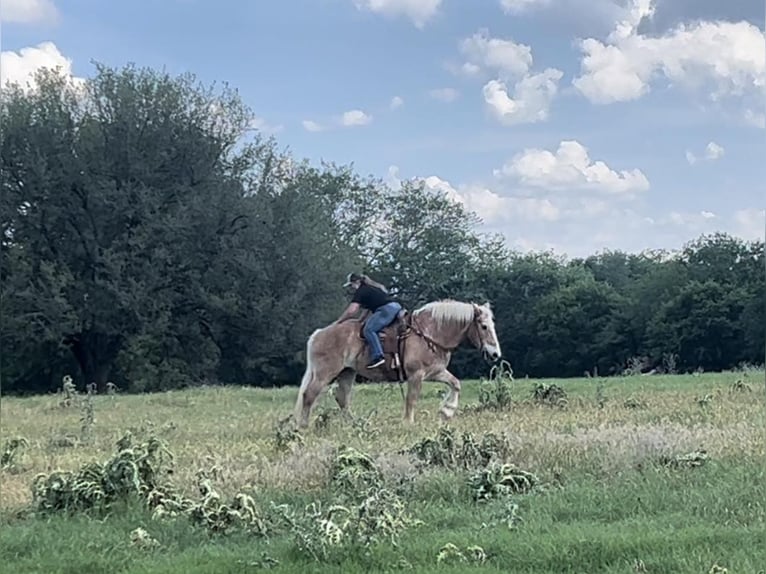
x: 234, y: 429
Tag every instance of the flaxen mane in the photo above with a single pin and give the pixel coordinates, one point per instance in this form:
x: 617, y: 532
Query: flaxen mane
x: 448, y: 311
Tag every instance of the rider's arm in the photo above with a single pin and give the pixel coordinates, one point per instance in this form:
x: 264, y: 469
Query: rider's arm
x: 350, y: 311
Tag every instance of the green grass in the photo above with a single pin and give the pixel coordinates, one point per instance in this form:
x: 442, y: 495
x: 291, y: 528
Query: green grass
x: 605, y: 503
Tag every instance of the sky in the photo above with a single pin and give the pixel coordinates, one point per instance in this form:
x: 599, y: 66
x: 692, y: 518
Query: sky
x: 574, y: 126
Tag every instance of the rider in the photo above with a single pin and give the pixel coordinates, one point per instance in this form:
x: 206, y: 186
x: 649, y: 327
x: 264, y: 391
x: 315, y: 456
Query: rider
x: 372, y: 296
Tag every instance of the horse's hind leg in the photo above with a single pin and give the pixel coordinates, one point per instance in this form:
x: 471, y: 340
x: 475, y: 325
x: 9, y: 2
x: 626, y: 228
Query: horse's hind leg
x: 320, y: 372
x: 314, y: 382
x: 343, y: 390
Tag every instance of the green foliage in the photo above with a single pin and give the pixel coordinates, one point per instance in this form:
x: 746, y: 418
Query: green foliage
x: 13, y: 452
x: 499, y: 480
x: 134, y: 473
x: 444, y: 450
x: 352, y: 472
x: 689, y: 460
x: 286, y: 435
x: 320, y: 530
x: 451, y: 554
x: 634, y: 403
x: 495, y: 394
x: 67, y: 392
x: 634, y: 506
x: 551, y: 395
x: 365, y: 513
x: 151, y: 240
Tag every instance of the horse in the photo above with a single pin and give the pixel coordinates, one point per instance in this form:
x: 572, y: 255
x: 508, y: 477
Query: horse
x: 418, y: 347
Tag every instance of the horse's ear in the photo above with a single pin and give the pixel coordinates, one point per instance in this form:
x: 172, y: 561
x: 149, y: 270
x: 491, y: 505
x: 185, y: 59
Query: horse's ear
x: 487, y: 305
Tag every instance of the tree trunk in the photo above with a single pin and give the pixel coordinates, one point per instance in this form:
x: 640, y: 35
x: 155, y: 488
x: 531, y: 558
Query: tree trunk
x: 95, y: 354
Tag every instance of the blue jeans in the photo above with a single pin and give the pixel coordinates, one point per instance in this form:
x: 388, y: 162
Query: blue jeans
x: 378, y: 321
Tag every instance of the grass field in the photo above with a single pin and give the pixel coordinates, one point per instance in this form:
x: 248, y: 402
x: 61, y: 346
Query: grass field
x: 611, y: 490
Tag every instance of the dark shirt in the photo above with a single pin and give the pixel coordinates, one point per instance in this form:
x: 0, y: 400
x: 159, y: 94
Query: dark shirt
x: 371, y: 297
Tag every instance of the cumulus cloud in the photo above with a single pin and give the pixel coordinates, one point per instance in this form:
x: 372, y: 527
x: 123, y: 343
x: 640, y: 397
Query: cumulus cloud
x: 444, y: 94
x: 750, y: 223
x: 492, y: 207
x: 499, y: 55
x: 348, y: 119
x: 28, y: 11
x: 516, y: 95
x: 713, y: 151
x: 396, y: 102
x: 418, y: 11
x: 353, y: 118
x: 724, y: 58
x: 582, y: 223
x: 530, y: 101
x: 20, y: 67
x: 260, y: 124
x: 571, y: 168
x: 518, y: 6
x: 312, y: 126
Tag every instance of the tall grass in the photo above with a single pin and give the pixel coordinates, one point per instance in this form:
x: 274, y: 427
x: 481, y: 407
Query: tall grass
x: 631, y: 474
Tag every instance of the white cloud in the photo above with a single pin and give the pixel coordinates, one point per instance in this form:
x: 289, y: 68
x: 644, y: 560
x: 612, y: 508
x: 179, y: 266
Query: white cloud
x: 419, y: 11
x: 312, y: 126
x: 585, y: 224
x: 493, y: 208
x: 28, y: 11
x: 713, y: 151
x: 393, y: 180
x: 750, y: 223
x: 518, y: 6
x: 696, y: 221
x: 262, y: 125
x: 396, y: 102
x: 353, y: 118
x: 723, y: 58
x: 531, y: 100
x: 444, y: 94
x: 757, y: 119
x: 516, y: 95
x: 496, y: 54
x: 20, y: 67
x: 571, y: 167
x: 348, y: 119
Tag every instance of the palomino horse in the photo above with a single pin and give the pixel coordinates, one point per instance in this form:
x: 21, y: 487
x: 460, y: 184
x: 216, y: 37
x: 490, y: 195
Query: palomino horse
x: 431, y: 334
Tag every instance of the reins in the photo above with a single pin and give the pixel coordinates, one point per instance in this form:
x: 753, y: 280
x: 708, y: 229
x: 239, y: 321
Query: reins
x: 432, y: 344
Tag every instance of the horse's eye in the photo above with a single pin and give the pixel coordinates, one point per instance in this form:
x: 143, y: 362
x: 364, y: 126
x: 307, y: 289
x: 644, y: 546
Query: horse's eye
x: 484, y: 327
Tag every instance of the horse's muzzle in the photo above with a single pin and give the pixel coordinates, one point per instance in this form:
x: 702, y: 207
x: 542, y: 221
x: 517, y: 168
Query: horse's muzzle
x: 490, y: 356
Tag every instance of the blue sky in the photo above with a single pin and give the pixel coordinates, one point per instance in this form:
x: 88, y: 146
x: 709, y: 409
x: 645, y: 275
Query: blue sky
x: 572, y: 125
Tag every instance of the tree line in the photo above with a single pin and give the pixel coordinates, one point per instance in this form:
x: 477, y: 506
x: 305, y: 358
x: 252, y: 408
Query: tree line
x: 152, y: 238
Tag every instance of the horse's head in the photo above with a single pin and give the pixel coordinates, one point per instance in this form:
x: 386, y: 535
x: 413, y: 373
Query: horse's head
x: 482, y: 333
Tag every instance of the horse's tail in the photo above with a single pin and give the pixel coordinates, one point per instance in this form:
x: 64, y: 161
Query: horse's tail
x: 308, y: 375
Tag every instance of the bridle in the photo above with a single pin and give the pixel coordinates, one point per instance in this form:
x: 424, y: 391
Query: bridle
x: 434, y: 345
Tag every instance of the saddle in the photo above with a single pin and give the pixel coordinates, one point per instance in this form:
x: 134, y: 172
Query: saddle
x: 392, y: 340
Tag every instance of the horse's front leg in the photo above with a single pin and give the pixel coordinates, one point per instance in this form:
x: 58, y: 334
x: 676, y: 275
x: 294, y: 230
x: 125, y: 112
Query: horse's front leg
x: 414, y: 384
x: 450, y: 404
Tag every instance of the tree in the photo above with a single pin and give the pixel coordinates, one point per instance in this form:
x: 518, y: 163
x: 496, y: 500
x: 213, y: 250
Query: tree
x: 119, y: 195
x: 700, y: 325
x: 425, y: 246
